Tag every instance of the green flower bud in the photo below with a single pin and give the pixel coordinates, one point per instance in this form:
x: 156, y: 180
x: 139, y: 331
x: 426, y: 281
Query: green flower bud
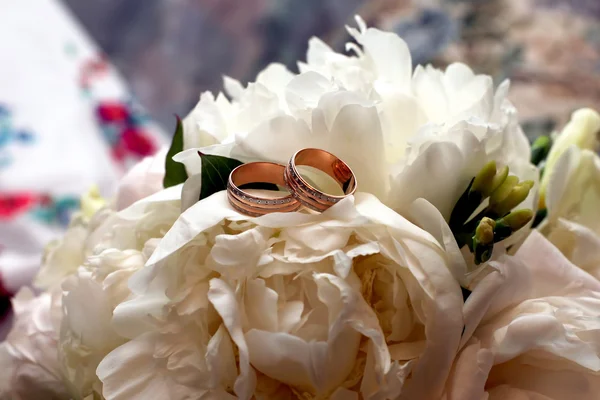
x: 518, y: 219
x: 483, y: 240
x: 484, y: 233
x: 540, y: 149
x: 504, y: 190
x: 499, y: 179
x: 484, y: 178
x: 516, y: 196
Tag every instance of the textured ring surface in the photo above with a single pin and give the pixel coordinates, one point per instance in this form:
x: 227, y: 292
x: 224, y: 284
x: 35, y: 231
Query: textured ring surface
x: 310, y: 196
x: 252, y: 205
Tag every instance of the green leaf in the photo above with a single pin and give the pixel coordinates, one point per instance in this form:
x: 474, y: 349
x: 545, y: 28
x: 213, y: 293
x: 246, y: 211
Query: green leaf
x: 174, y: 171
x: 215, y: 174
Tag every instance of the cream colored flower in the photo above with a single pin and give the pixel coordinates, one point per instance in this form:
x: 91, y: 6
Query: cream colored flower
x: 581, y: 132
x: 354, y: 302
x: 89, y: 299
x: 143, y: 179
x: 60, y: 336
x: 531, y: 330
x: 101, y: 284
x: 573, y: 194
x: 393, y: 126
x: 29, y: 357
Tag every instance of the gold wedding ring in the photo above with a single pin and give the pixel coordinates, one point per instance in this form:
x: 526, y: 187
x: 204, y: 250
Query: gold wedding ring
x: 256, y: 206
x: 308, y: 195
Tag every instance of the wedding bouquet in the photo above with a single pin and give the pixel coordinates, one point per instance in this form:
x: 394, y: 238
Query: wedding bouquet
x: 464, y: 265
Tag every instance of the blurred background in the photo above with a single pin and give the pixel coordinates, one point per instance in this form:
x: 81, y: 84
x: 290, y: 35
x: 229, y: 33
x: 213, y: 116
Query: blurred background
x: 88, y: 87
x: 171, y: 50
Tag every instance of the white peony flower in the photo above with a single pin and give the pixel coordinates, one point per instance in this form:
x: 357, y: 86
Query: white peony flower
x: 98, y: 287
x: 353, y: 302
x: 392, y: 126
x: 29, y: 356
x: 531, y: 332
x: 101, y: 284
x: 59, y: 337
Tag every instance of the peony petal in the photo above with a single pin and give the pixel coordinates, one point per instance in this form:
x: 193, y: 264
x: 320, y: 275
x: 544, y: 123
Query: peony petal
x: 356, y: 313
x: 554, y: 273
x: 389, y: 55
x: 261, y: 306
x: 223, y: 299
x: 288, y: 358
x: 201, y: 216
x: 578, y: 243
x: 205, y: 124
x: 190, y: 192
x: 220, y: 360
x: 143, y: 180
x: 234, y: 256
x: 470, y: 373
x: 137, y: 209
x: 132, y: 371
x: 437, y: 169
x: 429, y: 218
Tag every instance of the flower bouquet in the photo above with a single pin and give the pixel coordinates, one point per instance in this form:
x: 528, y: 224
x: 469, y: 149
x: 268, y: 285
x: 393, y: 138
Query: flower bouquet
x: 439, y: 255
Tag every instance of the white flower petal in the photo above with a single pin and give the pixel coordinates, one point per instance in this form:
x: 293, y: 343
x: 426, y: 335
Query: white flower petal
x: 429, y: 218
x: 223, y: 299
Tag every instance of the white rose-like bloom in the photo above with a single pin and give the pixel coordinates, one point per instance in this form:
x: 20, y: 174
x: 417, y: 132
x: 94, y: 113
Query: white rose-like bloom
x: 91, y: 294
x: 573, y: 194
x: 89, y: 227
x: 535, y: 323
x: 28, y: 356
x: 60, y: 336
x: 393, y: 126
x: 356, y: 302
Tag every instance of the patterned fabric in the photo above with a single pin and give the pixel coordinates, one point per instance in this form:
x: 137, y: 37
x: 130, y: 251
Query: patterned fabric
x: 67, y: 122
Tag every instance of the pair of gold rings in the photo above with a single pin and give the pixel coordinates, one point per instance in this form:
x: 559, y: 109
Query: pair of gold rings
x: 301, y: 192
